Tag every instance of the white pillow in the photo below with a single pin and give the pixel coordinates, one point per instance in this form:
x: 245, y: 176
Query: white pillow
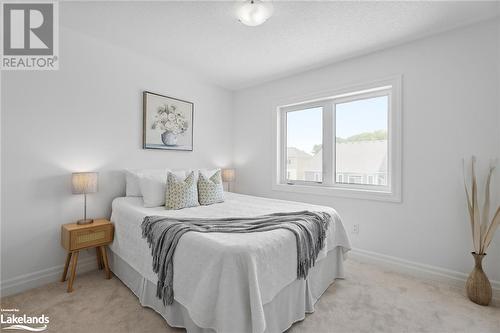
x: 208, y: 173
x: 154, y: 187
x: 132, y: 188
x: 132, y: 185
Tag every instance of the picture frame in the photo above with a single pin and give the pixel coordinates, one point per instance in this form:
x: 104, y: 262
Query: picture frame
x: 167, y: 122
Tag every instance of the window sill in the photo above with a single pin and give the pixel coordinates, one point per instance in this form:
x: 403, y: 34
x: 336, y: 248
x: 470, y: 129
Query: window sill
x: 353, y: 193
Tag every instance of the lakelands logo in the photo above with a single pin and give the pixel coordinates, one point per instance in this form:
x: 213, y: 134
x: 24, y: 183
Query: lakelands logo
x: 30, y: 36
x: 12, y: 320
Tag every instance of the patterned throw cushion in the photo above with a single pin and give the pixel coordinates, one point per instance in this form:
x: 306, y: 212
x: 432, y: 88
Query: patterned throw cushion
x: 210, y: 190
x: 181, y: 193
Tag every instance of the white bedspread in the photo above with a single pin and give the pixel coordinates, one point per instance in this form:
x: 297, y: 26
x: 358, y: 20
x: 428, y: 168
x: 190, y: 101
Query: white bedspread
x: 221, y: 278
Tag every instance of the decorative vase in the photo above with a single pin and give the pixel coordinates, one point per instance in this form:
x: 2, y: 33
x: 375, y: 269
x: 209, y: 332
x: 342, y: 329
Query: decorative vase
x: 478, y: 286
x: 169, y: 138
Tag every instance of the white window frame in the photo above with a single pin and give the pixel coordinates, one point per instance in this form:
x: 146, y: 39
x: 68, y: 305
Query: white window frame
x: 283, y: 111
x: 329, y: 186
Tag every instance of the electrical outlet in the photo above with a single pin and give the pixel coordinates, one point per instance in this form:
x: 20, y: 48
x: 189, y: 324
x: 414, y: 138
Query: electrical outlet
x: 355, y: 229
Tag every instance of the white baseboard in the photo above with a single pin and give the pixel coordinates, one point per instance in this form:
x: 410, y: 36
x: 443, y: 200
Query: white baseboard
x: 42, y: 277
x: 426, y: 272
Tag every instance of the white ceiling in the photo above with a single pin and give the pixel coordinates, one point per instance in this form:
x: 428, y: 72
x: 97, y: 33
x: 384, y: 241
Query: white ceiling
x: 206, y: 38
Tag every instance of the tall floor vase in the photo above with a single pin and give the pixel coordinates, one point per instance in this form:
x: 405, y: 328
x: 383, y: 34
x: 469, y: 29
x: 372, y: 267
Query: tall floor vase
x: 478, y: 286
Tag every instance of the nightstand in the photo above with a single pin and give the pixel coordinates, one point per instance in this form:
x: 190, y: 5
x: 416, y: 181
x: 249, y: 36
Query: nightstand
x: 75, y: 237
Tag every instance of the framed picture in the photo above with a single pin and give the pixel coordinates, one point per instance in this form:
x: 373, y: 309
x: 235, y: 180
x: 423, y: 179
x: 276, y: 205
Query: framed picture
x: 167, y: 122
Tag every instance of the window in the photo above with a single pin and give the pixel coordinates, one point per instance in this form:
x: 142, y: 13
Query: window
x: 347, y: 144
x: 304, y: 136
x: 361, y: 146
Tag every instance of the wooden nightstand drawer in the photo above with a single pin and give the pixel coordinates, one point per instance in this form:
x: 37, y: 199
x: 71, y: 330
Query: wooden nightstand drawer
x: 77, y: 237
x: 90, y: 238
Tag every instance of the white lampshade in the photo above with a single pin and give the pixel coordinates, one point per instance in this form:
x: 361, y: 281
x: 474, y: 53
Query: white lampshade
x: 84, y: 182
x: 228, y: 175
x: 254, y: 12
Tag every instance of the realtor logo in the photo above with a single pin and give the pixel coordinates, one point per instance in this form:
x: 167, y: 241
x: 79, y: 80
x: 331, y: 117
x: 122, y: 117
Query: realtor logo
x: 11, y: 319
x: 30, y: 36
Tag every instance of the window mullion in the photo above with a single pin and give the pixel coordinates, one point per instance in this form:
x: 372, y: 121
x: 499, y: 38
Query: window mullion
x: 328, y: 148
x: 334, y: 142
x: 283, y: 150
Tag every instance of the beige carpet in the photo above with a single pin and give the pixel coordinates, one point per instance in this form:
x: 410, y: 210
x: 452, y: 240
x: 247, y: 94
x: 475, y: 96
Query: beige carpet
x: 370, y: 299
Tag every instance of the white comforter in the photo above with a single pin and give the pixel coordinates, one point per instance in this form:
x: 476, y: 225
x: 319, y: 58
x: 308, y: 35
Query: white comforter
x: 221, y: 278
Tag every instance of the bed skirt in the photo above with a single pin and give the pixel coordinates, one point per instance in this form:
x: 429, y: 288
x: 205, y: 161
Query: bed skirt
x: 287, y: 307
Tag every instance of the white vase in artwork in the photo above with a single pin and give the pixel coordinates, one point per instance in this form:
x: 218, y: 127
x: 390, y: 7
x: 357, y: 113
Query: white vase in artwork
x: 169, y: 138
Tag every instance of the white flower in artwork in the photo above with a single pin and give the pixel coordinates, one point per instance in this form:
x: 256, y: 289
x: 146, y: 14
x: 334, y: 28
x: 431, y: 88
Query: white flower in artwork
x: 169, y: 119
x: 176, y: 130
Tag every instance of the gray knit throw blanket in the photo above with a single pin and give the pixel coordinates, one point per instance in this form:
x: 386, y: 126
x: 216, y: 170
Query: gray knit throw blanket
x: 163, y: 235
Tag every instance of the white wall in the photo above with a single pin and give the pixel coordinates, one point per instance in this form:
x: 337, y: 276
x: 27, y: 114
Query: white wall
x: 450, y: 110
x: 87, y: 116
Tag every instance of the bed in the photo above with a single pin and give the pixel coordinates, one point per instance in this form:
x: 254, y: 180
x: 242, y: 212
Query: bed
x: 227, y: 283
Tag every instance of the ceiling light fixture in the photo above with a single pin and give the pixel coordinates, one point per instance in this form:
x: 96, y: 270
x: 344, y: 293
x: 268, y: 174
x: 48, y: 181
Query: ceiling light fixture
x: 254, y: 12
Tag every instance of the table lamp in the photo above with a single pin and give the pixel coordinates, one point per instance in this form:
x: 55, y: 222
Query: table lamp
x: 228, y: 177
x: 83, y: 183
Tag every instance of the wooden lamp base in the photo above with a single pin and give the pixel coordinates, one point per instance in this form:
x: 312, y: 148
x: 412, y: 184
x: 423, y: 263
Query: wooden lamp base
x: 85, y: 221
